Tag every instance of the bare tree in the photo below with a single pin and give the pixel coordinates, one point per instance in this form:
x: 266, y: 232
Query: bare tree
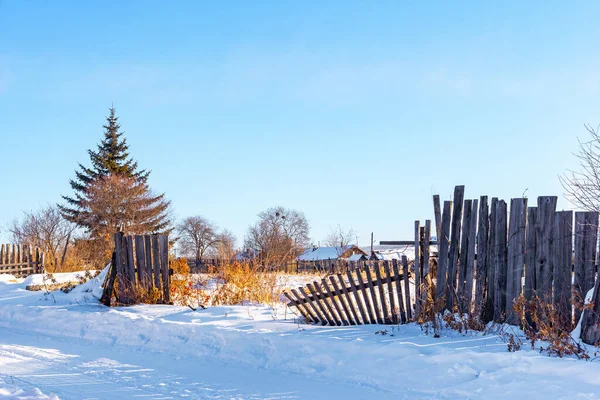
x: 339, y: 238
x: 224, y: 249
x: 46, y: 229
x: 279, y: 235
x: 196, y: 236
x: 582, y: 188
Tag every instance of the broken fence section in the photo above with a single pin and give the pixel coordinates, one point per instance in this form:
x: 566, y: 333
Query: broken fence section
x: 376, y: 293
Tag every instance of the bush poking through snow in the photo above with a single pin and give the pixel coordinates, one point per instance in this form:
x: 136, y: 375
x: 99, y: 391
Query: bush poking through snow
x: 541, y: 321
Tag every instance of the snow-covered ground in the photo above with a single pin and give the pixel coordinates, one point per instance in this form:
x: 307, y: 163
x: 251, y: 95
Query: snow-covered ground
x: 69, y: 346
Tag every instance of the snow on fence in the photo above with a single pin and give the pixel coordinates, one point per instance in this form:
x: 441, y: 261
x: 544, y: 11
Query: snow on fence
x: 354, y: 301
x: 21, y: 260
x: 140, y: 264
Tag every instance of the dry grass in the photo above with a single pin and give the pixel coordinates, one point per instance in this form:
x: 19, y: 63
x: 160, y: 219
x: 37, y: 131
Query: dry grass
x: 541, y: 321
x: 230, y: 284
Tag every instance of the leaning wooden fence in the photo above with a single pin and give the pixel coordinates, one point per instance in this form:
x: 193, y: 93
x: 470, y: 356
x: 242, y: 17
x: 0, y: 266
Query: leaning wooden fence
x: 354, y: 299
x: 21, y: 260
x: 140, y: 265
x: 490, y: 253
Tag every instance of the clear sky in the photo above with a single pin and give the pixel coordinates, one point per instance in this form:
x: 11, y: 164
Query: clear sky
x: 353, y: 112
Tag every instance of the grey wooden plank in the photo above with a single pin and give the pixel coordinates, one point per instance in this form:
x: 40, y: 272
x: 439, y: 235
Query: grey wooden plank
x: 417, y: 268
x: 409, y: 314
x: 348, y: 299
x: 544, y: 236
x: 590, y: 320
x: 501, y: 262
x: 382, y: 297
x: 342, y: 298
x: 365, y: 297
x: 120, y: 266
x: 316, y: 310
x: 492, y: 253
x: 163, y: 241
x: 562, y: 250
x: 299, y: 307
x: 330, y: 320
x: 464, y: 253
x: 470, y: 268
x: 355, y: 292
x: 438, y: 216
x: 401, y: 309
x: 443, y: 248
x: 394, y: 313
x: 482, y: 257
x: 459, y: 194
x: 148, y: 261
x: 140, y: 260
x: 516, y: 255
x: 156, y: 262
x: 377, y: 308
x: 343, y: 318
x: 530, y: 253
x: 130, y: 262
x: 584, y: 257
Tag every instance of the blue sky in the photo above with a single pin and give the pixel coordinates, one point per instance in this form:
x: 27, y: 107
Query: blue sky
x: 353, y: 113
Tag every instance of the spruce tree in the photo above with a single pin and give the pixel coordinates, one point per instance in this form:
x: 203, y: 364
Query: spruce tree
x: 112, y: 159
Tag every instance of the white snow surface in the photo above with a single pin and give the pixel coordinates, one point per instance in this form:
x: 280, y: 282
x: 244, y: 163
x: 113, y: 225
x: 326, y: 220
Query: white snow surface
x: 67, y: 345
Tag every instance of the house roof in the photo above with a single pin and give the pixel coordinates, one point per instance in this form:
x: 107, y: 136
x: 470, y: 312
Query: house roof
x: 324, y: 253
x: 356, y: 257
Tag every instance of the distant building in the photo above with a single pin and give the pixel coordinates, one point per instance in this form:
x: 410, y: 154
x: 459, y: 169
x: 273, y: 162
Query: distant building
x: 331, y: 253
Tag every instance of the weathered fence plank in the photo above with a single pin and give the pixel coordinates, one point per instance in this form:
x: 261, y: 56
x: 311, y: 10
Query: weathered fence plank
x: 438, y: 216
x: 501, y: 262
x: 530, y: 253
x: 586, y: 237
x: 375, y: 303
x: 140, y: 260
x: 482, y: 255
x: 562, y: 249
x: 443, y: 247
x: 165, y: 271
x: 394, y: 314
x: 359, y: 304
x: 330, y: 320
x: 470, y: 273
x: 409, y: 314
x: 464, y: 253
x: 516, y: 255
x: 417, y: 268
x: 382, y: 299
x: 459, y: 194
x: 401, y: 309
x: 329, y: 302
x: 343, y: 318
x: 342, y: 300
x: 545, y: 235
x: 365, y: 297
x: 492, y: 253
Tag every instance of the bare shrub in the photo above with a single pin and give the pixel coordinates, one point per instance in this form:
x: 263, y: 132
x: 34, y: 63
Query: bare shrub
x: 541, y: 321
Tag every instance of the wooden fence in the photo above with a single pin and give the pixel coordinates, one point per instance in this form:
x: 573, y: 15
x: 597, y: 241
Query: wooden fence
x: 21, y: 260
x: 489, y: 254
x: 357, y: 297
x: 140, y: 264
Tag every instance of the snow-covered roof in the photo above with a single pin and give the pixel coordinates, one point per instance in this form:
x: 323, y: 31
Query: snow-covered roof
x: 384, y: 252
x: 356, y: 257
x: 322, y: 253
